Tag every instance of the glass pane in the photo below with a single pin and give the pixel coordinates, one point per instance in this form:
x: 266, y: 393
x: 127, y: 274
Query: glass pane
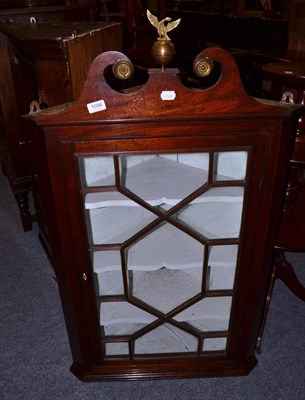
x: 164, y: 179
x: 166, y: 268
x: 221, y: 267
x: 115, y: 349
x: 97, y: 171
x: 107, y: 268
x: 214, y: 344
x: 104, y: 261
x: 166, y: 339
x: 122, y: 318
x: 110, y: 283
x: 208, y: 315
x: 215, y: 214
x: 115, y: 224
x: 164, y: 289
x: 230, y: 165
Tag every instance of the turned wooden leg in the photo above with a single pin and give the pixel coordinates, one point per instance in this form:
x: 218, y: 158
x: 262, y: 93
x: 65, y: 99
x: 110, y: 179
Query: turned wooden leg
x: 282, y: 270
x: 23, y: 204
x: 285, y: 273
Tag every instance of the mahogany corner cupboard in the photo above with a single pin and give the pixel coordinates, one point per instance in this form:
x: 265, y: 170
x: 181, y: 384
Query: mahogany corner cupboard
x: 161, y: 205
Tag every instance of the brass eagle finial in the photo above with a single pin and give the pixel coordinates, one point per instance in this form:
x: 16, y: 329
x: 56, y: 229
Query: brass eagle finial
x: 160, y: 25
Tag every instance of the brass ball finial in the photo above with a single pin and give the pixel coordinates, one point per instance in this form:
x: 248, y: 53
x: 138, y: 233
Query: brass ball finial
x: 163, y: 49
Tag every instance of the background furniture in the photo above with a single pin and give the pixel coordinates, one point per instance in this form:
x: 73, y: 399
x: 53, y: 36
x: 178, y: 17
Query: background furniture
x: 160, y: 211
x: 48, y: 10
x: 48, y: 63
x: 288, y: 83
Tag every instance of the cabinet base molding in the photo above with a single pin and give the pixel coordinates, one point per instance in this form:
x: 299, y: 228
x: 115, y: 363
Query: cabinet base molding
x: 164, y: 370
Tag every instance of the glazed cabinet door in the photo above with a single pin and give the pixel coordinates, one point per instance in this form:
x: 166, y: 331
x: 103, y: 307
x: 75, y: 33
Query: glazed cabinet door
x: 163, y: 233
x: 159, y: 238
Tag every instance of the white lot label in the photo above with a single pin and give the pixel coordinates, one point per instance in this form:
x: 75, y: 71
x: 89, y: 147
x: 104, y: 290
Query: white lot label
x: 96, y: 106
x: 168, y: 95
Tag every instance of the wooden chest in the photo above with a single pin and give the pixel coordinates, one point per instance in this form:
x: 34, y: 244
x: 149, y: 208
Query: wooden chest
x: 48, y: 10
x: 47, y: 63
